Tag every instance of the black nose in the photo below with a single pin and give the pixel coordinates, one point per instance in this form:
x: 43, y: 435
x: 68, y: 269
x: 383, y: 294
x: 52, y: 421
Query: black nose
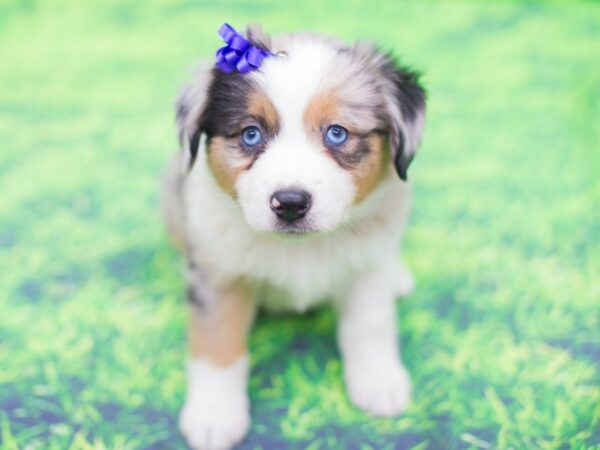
x: 290, y: 205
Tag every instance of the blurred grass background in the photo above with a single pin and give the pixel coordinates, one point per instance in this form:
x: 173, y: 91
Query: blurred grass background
x: 502, y: 336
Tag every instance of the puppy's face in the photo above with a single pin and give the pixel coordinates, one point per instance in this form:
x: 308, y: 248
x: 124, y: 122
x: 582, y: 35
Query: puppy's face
x: 309, y: 135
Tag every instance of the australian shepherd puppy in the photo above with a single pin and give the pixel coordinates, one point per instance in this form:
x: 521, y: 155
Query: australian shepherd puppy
x: 289, y: 191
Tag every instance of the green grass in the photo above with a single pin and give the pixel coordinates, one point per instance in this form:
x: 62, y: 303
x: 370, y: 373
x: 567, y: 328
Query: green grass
x: 502, y: 336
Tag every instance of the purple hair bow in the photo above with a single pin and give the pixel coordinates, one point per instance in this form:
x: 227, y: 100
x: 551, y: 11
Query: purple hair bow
x: 238, y: 54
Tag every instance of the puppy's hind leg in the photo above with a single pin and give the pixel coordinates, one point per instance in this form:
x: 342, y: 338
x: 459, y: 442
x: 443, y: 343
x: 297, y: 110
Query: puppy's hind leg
x: 216, y: 412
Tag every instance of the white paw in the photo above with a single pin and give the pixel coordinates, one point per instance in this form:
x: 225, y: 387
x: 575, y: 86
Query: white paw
x: 216, y: 414
x: 380, y: 389
x: 214, y: 426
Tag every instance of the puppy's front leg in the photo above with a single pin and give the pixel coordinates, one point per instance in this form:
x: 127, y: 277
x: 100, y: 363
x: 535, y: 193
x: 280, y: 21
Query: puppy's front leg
x: 376, y: 380
x: 216, y: 412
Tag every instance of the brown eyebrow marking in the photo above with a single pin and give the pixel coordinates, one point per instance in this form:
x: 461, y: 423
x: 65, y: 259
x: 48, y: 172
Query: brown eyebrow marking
x: 261, y: 108
x: 322, y: 108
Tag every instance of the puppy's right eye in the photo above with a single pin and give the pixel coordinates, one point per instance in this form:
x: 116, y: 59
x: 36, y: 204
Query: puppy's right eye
x: 251, y: 136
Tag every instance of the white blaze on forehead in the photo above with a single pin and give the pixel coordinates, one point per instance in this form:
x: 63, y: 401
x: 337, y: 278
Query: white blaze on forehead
x: 313, y: 66
x: 292, y: 159
x: 292, y: 80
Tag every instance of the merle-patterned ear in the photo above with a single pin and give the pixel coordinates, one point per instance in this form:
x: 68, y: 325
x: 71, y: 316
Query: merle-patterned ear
x: 406, y: 109
x: 210, y: 98
x: 189, y: 107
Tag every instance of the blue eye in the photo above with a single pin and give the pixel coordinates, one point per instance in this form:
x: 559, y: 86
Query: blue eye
x: 336, y: 135
x: 251, y: 136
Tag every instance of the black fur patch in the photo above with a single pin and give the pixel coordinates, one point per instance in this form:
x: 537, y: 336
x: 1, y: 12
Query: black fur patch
x: 194, y: 144
x: 350, y: 159
x: 194, y: 298
x: 227, y: 104
x: 402, y: 160
x: 410, y: 96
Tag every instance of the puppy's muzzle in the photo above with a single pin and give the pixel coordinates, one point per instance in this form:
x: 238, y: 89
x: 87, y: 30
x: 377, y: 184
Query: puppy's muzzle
x: 291, y: 205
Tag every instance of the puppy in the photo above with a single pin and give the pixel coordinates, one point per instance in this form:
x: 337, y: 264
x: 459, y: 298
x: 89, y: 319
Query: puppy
x: 290, y: 190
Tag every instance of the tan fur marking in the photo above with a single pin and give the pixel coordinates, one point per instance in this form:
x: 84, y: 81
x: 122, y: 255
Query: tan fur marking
x: 322, y: 108
x: 225, y: 165
x: 371, y: 169
x: 221, y: 333
x: 260, y: 106
x: 325, y: 109
x: 225, y: 160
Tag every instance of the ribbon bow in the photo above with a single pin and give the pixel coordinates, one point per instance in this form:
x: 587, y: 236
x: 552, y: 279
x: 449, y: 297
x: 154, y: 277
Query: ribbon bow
x: 238, y: 54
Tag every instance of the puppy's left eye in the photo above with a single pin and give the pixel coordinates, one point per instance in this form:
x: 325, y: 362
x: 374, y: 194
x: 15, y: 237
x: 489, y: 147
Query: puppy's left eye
x: 251, y: 136
x: 336, y: 135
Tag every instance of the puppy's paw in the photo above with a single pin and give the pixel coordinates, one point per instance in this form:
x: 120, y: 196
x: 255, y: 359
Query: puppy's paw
x: 209, y: 425
x: 216, y: 414
x: 378, y: 389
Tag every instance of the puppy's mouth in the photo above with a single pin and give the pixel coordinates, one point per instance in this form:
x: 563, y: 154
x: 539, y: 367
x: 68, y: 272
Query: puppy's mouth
x: 294, y: 229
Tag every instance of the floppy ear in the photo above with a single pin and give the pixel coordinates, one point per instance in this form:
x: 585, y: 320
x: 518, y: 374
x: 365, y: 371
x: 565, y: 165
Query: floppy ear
x: 190, y: 104
x: 208, y: 104
x: 406, y: 111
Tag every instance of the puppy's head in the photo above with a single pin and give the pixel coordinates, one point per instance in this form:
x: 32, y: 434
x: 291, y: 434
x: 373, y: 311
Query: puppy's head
x: 304, y: 139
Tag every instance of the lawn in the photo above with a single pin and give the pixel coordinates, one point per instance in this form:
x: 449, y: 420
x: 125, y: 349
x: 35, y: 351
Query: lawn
x: 502, y: 335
